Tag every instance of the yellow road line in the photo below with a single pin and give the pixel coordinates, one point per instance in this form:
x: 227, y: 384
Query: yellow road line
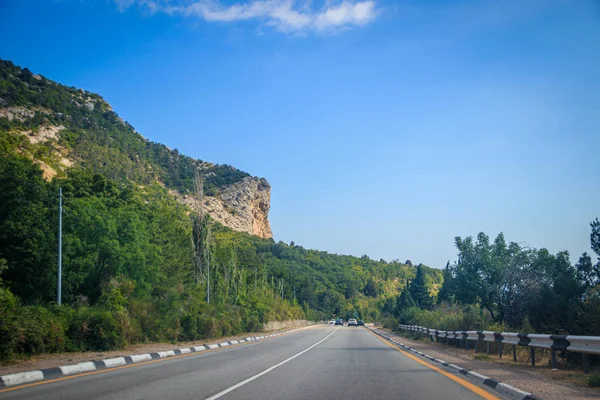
x: 475, y: 389
x: 122, y: 367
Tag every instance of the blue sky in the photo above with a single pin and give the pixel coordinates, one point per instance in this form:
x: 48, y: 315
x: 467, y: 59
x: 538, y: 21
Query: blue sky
x: 385, y: 127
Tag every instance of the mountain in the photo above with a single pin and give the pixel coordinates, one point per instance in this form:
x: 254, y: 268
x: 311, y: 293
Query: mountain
x: 62, y: 127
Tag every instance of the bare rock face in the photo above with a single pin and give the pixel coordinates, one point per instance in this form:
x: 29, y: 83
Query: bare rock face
x: 44, y: 133
x: 243, y: 207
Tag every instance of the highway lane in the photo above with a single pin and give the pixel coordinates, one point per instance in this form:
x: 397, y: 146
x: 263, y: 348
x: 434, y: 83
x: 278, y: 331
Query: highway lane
x: 319, y: 363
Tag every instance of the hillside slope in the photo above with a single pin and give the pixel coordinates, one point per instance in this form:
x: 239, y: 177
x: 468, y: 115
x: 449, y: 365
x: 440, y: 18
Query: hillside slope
x: 60, y: 127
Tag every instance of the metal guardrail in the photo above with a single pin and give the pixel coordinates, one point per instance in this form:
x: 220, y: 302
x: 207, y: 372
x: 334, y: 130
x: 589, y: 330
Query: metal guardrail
x: 583, y: 345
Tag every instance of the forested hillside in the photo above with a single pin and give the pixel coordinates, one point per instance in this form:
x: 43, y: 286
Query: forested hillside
x: 92, y: 135
x: 133, y: 267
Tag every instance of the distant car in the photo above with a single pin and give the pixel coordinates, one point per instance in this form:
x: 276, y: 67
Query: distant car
x: 361, y: 323
x: 352, y: 322
x: 332, y: 322
x: 339, y: 321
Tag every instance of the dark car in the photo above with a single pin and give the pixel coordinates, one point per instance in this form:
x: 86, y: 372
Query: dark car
x: 339, y: 321
x: 361, y: 323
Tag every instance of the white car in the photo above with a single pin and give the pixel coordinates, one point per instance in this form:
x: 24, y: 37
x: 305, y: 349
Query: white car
x: 331, y: 322
x: 352, y: 322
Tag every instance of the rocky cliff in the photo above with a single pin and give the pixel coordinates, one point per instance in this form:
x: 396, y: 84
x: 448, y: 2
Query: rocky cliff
x: 62, y: 128
x: 242, y: 206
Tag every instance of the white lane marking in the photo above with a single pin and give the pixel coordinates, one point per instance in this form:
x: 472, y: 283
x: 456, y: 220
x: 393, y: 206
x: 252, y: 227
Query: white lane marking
x: 266, y: 371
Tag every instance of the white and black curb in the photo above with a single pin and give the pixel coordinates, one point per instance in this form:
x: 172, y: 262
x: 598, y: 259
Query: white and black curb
x: 503, y: 388
x: 22, y: 378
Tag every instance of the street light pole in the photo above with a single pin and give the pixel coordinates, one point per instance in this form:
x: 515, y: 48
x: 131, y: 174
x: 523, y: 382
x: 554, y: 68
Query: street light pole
x: 59, y: 287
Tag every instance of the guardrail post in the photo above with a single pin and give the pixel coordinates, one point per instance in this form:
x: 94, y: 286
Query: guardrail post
x: 553, y: 353
x: 532, y: 356
x: 487, y: 348
x: 514, y: 346
x: 586, y: 364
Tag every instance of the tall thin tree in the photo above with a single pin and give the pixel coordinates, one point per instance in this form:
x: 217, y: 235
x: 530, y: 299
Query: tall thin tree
x: 198, y: 231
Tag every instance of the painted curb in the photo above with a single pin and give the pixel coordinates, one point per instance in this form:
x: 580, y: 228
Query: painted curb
x: 500, y: 387
x: 22, y: 378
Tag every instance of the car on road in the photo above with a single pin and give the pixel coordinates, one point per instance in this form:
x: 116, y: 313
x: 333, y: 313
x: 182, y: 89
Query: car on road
x: 352, y: 322
x: 361, y: 323
x: 339, y: 321
x: 331, y: 322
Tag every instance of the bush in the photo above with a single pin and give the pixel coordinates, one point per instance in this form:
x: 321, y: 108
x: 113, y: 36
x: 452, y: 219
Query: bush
x: 253, y: 322
x: 390, y: 323
x: 189, y: 327
x: 8, y: 331
x: 39, y: 331
x: 95, y: 329
x: 447, y: 317
x: 594, y: 380
x: 207, y: 326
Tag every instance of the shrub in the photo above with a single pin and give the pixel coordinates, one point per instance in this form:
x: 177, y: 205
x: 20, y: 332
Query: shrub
x: 39, y: 331
x: 189, y: 327
x: 207, y: 326
x: 594, y: 380
x: 8, y: 332
x: 253, y: 322
x: 447, y: 317
x: 95, y: 329
x: 390, y: 322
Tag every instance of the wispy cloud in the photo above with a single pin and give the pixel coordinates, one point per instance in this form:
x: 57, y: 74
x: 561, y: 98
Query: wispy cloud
x: 283, y: 15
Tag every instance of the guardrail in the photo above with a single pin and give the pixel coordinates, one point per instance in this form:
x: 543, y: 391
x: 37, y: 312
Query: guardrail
x: 583, y: 345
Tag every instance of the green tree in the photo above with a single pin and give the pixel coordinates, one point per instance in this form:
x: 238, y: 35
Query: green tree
x: 447, y: 291
x: 419, y: 291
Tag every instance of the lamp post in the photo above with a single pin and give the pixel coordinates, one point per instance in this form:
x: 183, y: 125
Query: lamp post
x: 59, y: 286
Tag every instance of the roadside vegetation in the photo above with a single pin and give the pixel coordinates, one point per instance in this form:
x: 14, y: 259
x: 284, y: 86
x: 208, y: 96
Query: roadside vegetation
x: 505, y: 287
x: 130, y: 273
x: 131, y: 267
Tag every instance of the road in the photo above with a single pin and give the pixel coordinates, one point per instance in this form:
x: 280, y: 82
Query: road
x: 323, y: 362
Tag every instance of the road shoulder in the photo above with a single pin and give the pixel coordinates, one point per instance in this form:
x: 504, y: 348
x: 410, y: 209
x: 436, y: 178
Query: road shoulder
x: 545, y: 384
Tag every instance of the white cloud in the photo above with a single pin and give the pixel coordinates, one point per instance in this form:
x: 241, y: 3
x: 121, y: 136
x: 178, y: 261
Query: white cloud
x: 346, y: 14
x: 284, y: 15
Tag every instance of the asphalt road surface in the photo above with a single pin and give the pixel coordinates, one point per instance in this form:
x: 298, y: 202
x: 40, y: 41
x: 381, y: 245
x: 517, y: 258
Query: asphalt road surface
x: 323, y: 362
